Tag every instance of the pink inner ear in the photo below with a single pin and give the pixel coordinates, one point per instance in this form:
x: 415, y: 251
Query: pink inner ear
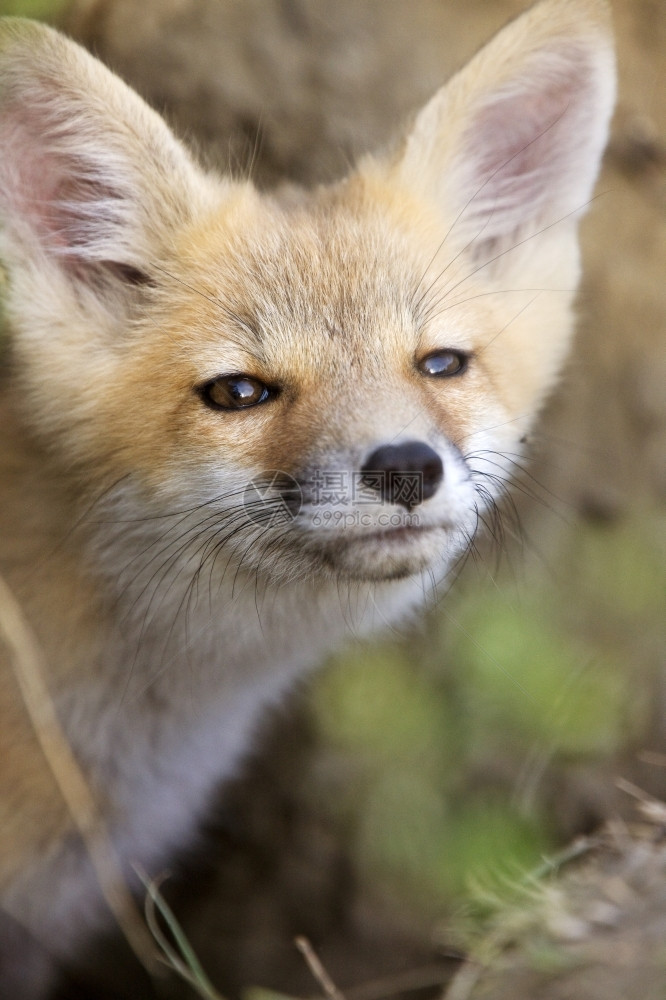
x: 47, y: 193
x: 526, y: 145
x: 521, y: 135
x: 29, y: 177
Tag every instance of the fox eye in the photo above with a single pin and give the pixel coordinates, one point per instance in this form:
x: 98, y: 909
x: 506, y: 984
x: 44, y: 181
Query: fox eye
x: 235, y: 392
x: 441, y: 364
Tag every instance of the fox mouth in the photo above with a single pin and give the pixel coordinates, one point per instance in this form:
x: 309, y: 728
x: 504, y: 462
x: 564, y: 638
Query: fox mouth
x: 385, y: 553
x: 405, y: 532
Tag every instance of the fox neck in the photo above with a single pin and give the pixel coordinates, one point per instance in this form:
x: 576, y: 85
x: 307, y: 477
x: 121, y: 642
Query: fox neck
x: 186, y: 624
x: 208, y: 644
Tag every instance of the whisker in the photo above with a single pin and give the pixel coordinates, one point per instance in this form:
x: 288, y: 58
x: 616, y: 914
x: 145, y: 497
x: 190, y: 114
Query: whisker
x: 218, y: 303
x: 507, y: 325
x: 440, y: 305
x: 416, y: 306
x: 473, y: 197
x: 519, y: 243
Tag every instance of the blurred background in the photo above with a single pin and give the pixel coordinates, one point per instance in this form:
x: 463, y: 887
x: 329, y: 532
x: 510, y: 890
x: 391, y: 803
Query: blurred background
x: 415, y: 777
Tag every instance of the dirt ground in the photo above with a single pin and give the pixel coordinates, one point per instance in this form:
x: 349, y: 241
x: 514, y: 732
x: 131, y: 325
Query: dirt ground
x: 293, y: 90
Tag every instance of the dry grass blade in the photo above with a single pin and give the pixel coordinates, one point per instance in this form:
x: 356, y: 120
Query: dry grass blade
x: 179, y: 956
x: 653, y: 757
x: 28, y: 664
x: 654, y: 810
x: 463, y: 983
x: 317, y: 969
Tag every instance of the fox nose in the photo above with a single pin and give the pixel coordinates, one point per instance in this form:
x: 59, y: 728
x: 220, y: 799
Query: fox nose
x: 406, y: 473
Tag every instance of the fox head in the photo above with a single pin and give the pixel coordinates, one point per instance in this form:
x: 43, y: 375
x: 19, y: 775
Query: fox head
x: 331, y: 382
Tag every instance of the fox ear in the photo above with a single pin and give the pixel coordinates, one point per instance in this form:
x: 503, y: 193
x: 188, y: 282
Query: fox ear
x: 91, y: 180
x: 513, y: 143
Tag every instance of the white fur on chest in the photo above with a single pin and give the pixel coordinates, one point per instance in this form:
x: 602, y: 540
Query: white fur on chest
x: 158, y: 750
x: 183, y: 724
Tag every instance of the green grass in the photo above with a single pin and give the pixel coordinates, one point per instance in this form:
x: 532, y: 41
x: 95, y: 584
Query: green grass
x: 45, y: 10
x: 444, y: 743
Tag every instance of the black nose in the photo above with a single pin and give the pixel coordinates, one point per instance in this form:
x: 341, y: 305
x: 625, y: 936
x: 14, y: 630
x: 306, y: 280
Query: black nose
x: 406, y: 473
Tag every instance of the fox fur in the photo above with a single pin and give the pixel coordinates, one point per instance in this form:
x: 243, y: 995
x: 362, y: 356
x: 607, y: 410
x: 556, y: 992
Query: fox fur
x: 171, y: 609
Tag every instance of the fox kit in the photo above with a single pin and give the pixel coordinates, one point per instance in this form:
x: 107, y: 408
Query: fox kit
x: 238, y: 427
